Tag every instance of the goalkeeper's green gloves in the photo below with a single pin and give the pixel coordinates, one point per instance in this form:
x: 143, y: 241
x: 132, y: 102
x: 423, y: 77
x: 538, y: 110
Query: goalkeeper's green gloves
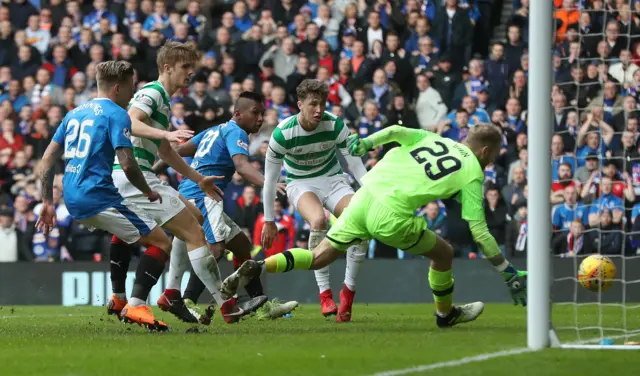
x: 358, y: 146
x: 517, y: 285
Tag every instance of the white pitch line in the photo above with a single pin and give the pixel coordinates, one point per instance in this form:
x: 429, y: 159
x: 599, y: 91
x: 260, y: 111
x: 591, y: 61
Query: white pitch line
x: 454, y: 363
x: 500, y: 354
x: 46, y: 316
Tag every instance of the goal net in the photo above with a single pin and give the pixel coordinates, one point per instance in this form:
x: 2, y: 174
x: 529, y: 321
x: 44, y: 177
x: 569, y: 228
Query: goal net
x: 595, y: 97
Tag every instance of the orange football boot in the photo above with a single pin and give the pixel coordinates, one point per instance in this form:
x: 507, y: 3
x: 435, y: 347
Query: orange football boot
x: 115, y: 305
x: 142, y: 316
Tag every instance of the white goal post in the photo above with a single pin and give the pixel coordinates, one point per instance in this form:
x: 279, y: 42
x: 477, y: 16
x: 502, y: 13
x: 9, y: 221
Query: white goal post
x: 539, y: 171
x: 540, y: 332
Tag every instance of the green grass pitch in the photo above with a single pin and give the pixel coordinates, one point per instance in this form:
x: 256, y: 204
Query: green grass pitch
x: 85, y: 341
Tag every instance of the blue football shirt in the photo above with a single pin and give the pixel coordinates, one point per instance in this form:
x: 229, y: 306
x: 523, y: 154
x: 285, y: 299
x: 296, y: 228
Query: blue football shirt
x: 90, y: 134
x: 215, y: 148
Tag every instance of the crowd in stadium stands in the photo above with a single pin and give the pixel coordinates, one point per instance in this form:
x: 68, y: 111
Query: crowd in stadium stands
x: 429, y: 64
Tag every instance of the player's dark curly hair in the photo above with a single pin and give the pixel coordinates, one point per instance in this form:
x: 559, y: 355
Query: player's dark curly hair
x: 311, y: 88
x: 256, y: 97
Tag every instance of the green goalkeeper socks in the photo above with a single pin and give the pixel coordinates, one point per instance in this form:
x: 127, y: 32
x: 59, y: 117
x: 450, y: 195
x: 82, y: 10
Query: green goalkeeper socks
x: 295, y: 258
x: 441, y: 284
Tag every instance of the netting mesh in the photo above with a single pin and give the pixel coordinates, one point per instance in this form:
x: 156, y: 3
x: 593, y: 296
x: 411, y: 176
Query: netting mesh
x: 595, y: 96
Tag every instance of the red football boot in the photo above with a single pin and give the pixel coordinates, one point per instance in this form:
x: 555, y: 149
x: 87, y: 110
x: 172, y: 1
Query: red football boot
x: 346, y: 301
x: 327, y: 304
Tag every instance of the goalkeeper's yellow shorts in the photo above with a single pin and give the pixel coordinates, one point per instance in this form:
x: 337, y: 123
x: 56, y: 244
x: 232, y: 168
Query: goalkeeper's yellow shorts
x: 366, y: 218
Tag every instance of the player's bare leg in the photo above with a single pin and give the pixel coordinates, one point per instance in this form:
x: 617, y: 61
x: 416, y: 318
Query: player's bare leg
x: 120, y: 257
x: 355, y: 256
x: 178, y: 265
x: 149, y: 270
x: 441, y: 282
x: 312, y: 211
x: 186, y: 227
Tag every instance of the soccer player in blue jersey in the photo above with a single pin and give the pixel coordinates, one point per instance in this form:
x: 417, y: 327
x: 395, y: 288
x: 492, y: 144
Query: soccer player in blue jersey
x: 89, y: 138
x: 221, y: 151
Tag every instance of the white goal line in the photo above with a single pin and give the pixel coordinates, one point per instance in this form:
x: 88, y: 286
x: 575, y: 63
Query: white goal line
x: 454, y: 363
x: 499, y: 354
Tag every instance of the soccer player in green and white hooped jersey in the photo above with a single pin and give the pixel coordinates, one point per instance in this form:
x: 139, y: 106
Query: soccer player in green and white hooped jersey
x: 424, y: 168
x: 307, y: 144
x: 149, y: 112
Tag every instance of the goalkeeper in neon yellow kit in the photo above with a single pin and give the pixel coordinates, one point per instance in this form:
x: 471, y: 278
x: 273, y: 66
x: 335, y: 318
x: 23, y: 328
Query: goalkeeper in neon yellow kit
x: 424, y: 168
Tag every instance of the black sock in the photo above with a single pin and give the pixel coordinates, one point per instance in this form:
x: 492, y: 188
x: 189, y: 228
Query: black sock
x: 120, y: 256
x: 194, y: 289
x: 149, y: 271
x: 254, y: 287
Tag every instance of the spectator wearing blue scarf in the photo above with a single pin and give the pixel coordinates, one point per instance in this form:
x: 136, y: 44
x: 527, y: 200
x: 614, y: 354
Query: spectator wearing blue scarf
x: 194, y: 19
x: 158, y: 20
x: 458, y: 129
x: 476, y: 115
x: 92, y: 20
x: 421, y: 30
x: 242, y: 21
x: 513, y: 118
x: 372, y: 121
x: 595, y: 142
x: 423, y: 61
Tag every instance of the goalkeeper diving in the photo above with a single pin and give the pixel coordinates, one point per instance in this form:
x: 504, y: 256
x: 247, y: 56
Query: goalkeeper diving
x: 425, y: 167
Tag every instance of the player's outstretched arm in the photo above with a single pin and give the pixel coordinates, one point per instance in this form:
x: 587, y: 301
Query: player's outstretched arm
x: 188, y: 149
x: 515, y: 279
x: 394, y: 133
x: 134, y: 174
x: 354, y: 165
x: 47, y: 217
x: 173, y: 159
x: 473, y: 212
x: 247, y: 171
x: 273, y: 165
x: 139, y: 128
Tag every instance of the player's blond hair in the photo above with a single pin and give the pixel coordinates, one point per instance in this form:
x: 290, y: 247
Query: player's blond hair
x: 112, y: 72
x: 482, y: 135
x: 173, y: 52
x: 312, y: 88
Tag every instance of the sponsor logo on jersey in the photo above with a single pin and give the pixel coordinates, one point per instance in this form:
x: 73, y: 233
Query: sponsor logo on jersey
x: 127, y: 133
x: 243, y: 145
x: 73, y: 169
x: 174, y: 202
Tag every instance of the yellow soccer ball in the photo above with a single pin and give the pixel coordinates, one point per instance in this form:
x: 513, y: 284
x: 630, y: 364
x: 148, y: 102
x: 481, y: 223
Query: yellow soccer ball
x: 596, y: 273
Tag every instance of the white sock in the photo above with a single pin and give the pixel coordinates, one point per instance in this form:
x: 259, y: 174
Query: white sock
x: 135, y: 302
x: 178, y: 264
x: 355, y: 257
x: 206, y: 268
x: 322, y: 275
